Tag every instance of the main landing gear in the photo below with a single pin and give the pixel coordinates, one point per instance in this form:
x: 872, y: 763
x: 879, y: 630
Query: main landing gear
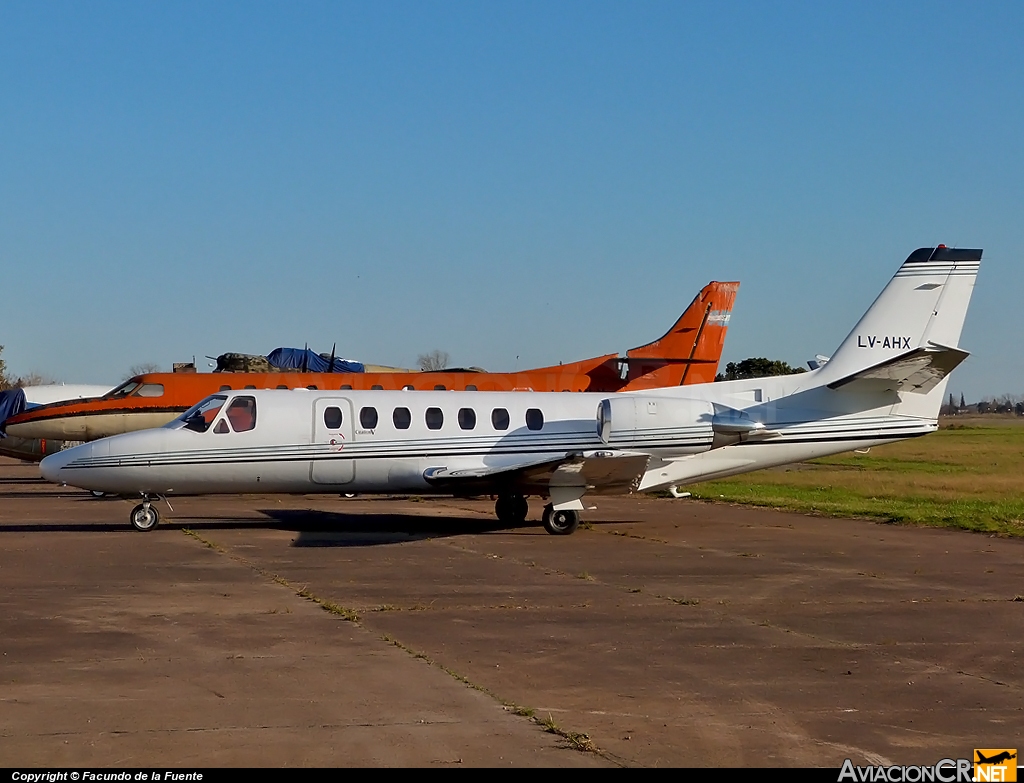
x: 560, y: 523
x: 144, y: 517
x: 513, y: 510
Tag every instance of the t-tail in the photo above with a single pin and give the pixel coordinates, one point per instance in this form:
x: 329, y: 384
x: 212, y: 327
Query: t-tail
x: 908, y: 340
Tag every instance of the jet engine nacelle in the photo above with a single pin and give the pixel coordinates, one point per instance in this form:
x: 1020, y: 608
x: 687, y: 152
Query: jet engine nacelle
x: 639, y: 422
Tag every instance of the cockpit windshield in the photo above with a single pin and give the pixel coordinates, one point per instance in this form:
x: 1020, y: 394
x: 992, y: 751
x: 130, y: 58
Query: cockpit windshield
x: 123, y: 390
x: 201, y: 415
x: 135, y: 388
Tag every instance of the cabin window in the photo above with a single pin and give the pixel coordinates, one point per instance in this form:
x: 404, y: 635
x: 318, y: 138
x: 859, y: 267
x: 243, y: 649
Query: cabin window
x: 201, y: 415
x: 333, y: 418
x: 312, y: 387
x: 282, y: 386
x: 470, y: 387
x: 499, y: 419
x: 242, y: 413
x: 467, y: 418
x: 250, y: 386
x: 377, y: 387
x: 534, y: 419
x: 434, y: 418
x: 402, y: 418
x: 150, y: 390
x: 225, y: 388
x: 368, y: 418
x: 347, y: 386
x: 408, y: 387
x: 222, y: 427
x: 439, y: 387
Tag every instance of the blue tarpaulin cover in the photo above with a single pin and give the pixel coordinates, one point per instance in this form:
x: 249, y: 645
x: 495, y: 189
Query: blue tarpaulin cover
x: 12, y: 402
x: 298, y: 358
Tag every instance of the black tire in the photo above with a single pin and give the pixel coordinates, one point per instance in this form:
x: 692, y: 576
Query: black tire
x: 511, y: 509
x: 560, y: 523
x: 144, y: 517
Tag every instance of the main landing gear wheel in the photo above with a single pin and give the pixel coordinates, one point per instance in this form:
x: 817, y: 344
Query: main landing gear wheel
x: 560, y: 523
x: 511, y: 509
x: 144, y: 517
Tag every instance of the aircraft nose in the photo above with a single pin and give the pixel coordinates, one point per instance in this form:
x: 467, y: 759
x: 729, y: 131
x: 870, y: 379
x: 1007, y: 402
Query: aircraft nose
x: 51, y: 466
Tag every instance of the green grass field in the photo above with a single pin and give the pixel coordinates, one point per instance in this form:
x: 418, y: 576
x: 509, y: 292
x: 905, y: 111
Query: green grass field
x: 969, y: 474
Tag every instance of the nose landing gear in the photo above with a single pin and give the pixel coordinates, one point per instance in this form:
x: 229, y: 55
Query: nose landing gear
x: 144, y: 517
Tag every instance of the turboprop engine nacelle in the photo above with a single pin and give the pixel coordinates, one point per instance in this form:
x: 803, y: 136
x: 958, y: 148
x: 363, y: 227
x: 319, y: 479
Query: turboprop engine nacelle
x: 639, y: 422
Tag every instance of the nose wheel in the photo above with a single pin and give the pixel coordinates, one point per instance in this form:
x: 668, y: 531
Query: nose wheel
x: 560, y: 523
x: 144, y: 517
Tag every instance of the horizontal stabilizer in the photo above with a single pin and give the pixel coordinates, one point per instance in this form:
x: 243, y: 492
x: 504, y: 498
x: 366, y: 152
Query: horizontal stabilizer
x: 919, y: 370
x: 604, y: 474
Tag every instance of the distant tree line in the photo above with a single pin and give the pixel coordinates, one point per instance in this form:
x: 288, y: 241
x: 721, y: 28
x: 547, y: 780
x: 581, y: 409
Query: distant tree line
x: 756, y: 368
x: 1007, y: 403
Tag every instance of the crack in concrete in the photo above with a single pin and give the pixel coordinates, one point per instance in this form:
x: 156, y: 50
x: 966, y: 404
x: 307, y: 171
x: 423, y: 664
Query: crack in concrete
x: 257, y: 727
x: 575, y: 740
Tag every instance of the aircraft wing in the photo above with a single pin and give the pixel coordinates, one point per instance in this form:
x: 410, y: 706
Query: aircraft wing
x: 918, y: 371
x: 565, y: 479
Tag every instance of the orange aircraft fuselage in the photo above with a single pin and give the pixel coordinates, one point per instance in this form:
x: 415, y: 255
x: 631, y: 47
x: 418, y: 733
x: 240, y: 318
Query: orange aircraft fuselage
x: 688, y: 353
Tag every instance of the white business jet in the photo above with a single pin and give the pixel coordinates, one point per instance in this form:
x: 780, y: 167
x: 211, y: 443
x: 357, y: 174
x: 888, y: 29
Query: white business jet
x: 886, y: 382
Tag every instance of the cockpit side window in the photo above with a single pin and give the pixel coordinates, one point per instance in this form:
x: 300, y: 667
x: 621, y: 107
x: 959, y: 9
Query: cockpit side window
x: 242, y: 413
x: 201, y: 415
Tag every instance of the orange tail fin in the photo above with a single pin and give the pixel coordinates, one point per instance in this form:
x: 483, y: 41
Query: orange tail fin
x: 690, y: 351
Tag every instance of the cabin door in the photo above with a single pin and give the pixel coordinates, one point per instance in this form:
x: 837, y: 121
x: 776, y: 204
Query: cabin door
x: 332, y: 434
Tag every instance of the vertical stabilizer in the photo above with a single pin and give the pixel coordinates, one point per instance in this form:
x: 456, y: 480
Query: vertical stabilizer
x: 923, y: 306
x: 690, y: 351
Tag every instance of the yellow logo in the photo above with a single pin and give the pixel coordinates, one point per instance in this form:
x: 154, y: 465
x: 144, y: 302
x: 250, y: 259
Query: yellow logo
x: 998, y: 765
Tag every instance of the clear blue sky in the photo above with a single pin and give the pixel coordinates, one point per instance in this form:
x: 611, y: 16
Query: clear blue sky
x: 547, y: 181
